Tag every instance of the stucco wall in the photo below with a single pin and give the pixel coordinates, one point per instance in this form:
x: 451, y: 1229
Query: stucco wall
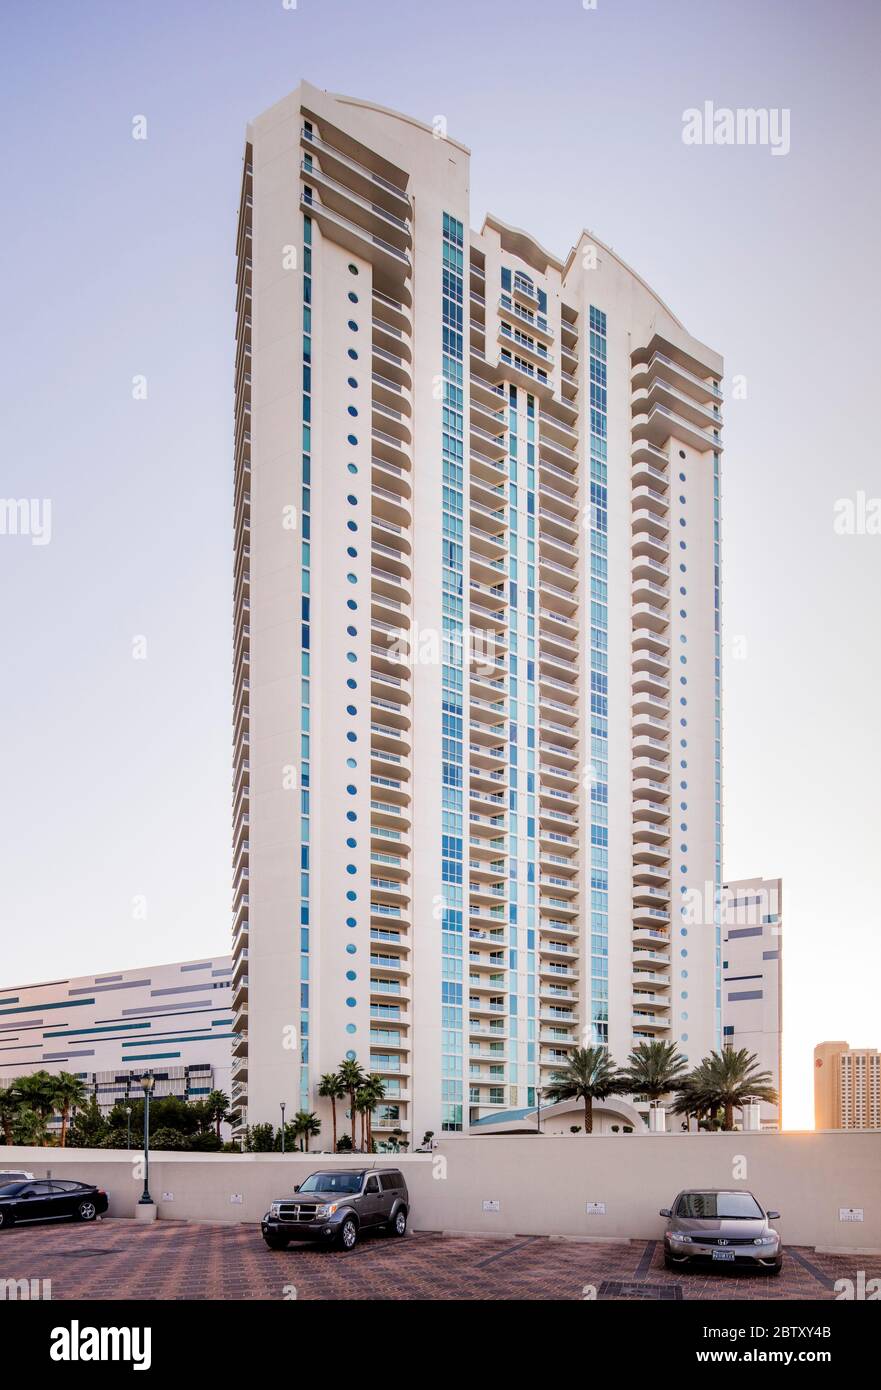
x: 542, y: 1185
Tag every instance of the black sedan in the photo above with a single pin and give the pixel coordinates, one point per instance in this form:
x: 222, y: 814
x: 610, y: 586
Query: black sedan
x: 50, y: 1199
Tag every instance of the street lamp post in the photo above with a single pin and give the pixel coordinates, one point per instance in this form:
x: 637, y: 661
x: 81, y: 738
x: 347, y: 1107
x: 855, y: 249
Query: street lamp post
x: 148, y: 1081
x: 128, y: 1126
x: 538, y: 1110
x: 282, y: 1104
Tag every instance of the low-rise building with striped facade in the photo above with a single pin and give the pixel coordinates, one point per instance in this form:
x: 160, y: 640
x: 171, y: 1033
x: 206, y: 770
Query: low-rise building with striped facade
x: 108, y: 1029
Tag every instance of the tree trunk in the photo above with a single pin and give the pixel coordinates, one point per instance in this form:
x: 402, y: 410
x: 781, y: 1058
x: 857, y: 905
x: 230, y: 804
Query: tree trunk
x: 354, y: 1117
x: 588, y: 1115
x: 64, y: 1114
x: 333, y: 1113
x: 729, y: 1115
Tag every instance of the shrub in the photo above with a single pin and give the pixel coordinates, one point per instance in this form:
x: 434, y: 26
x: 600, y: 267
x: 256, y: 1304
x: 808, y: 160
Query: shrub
x: 168, y: 1139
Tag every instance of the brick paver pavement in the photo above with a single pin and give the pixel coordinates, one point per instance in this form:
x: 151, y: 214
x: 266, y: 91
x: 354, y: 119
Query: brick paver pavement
x: 117, y: 1259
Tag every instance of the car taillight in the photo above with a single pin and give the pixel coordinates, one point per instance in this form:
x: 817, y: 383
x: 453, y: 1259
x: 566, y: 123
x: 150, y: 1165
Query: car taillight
x: 101, y: 1192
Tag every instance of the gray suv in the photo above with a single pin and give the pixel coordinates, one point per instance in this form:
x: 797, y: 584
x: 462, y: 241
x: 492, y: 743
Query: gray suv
x: 334, y: 1206
x: 723, y: 1227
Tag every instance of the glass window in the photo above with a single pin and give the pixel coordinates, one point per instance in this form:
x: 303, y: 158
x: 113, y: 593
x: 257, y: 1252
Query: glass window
x: 332, y: 1182
x: 733, y: 1206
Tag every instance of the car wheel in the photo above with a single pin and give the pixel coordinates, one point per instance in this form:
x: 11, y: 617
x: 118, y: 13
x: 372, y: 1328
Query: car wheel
x: 6, y: 1218
x: 398, y: 1224
x: 86, y: 1211
x: 670, y: 1263
x: 348, y: 1233
x: 276, y: 1242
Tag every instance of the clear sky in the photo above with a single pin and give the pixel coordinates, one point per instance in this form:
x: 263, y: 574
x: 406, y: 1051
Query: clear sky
x: 118, y: 263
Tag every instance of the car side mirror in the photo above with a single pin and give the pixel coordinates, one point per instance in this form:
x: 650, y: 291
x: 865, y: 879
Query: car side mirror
x: 773, y: 1215
x: 665, y: 1211
x: 296, y: 1187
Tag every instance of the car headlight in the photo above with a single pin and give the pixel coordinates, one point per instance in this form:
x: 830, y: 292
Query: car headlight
x: 674, y: 1235
x: 765, y: 1240
x: 275, y: 1209
x: 326, y: 1209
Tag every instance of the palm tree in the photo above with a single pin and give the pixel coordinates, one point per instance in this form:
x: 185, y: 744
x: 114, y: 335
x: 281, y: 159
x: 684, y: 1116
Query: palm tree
x: 590, y: 1075
x: 30, y: 1127
x: 9, y: 1106
x: 217, y: 1109
x: 370, y: 1093
x: 362, y: 1106
x: 653, y: 1069
x: 728, y: 1079
x: 36, y: 1094
x: 688, y: 1099
x: 352, y: 1076
x: 331, y: 1088
x: 69, y: 1094
x: 305, y: 1126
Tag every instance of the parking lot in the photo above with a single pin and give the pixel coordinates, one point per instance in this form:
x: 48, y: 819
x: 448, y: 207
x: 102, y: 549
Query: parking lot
x: 118, y: 1259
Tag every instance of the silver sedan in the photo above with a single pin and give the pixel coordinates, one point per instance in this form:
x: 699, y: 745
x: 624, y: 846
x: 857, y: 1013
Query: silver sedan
x: 722, y: 1227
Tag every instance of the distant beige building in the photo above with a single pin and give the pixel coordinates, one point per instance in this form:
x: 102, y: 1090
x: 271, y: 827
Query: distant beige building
x: 847, y: 1086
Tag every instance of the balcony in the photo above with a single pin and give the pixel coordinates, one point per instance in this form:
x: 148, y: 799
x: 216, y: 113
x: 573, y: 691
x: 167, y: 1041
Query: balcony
x: 649, y: 848
x: 651, y: 832
x: 647, y: 790
x: 384, y: 256
x: 648, y: 478
x: 651, y: 1001
x: 649, y: 464
x: 649, y: 615
x: 372, y: 216
x: 646, y: 958
x: 494, y: 446
x: 563, y: 482
x: 663, y: 393
x: 392, y: 365
x: 649, y: 498
x: 690, y: 382
x: 529, y: 320
x: 659, y: 425
x: 652, y: 1022
x: 367, y: 181
x: 645, y: 521
x: 645, y: 590
x: 392, y: 317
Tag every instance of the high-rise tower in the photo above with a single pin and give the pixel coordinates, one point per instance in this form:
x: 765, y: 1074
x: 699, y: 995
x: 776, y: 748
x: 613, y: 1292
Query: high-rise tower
x: 477, y: 665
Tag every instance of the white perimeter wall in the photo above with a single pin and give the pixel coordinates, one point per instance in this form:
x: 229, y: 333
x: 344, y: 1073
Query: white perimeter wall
x: 542, y: 1184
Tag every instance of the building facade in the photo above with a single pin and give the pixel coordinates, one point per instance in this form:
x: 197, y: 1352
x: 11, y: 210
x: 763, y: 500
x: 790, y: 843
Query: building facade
x: 847, y: 1086
x: 477, y: 703
x: 752, y: 978
x: 108, y: 1029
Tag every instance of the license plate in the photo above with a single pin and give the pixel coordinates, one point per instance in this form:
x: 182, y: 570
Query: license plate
x: 723, y: 1254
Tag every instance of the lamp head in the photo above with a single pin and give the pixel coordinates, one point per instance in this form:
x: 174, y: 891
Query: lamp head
x: 148, y: 1081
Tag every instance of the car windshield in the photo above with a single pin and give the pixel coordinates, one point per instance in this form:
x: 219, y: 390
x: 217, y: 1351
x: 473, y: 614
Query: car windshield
x: 332, y: 1182
x: 10, y: 1189
x: 723, y: 1206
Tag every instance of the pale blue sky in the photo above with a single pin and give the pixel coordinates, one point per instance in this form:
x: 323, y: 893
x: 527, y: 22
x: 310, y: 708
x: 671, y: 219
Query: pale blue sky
x: 118, y: 260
